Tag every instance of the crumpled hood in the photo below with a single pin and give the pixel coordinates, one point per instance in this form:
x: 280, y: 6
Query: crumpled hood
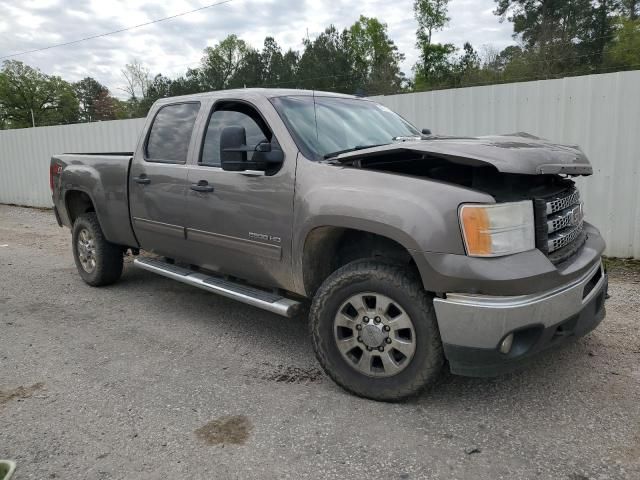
x: 512, y: 153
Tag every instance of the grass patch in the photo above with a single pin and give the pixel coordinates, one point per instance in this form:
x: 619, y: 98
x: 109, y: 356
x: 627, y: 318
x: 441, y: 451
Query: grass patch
x: 626, y: 265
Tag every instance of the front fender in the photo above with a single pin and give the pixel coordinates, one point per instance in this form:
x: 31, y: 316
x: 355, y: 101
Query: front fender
x: 419, y: 214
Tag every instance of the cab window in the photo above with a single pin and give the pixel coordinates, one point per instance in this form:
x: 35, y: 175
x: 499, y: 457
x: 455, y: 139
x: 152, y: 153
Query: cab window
x: 232, y: 114
x: 170, y: 134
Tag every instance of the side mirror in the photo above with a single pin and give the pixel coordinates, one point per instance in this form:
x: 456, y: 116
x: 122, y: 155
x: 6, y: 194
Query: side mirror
x: 233, y: 153
x: 426, y: 131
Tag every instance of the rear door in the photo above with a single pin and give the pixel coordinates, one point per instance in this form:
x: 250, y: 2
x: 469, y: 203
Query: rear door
x: 240, y: 224
x: 158, y: 179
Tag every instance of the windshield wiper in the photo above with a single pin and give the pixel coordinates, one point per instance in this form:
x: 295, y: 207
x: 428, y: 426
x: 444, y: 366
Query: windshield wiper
x: 352, y: 149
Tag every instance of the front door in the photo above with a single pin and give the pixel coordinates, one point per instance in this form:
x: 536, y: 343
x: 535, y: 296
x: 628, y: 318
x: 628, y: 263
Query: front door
x: 158, y: 180
x: 239, y: 223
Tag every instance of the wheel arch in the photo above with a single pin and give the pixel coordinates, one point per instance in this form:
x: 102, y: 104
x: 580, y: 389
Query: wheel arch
x: 78, y: 202
x: 326, y: 248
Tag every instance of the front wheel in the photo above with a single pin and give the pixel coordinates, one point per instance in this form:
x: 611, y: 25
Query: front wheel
x: 375, y: 332
x: 98, y: 261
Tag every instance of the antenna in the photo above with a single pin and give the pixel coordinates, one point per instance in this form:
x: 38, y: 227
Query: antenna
x: 315, y: 114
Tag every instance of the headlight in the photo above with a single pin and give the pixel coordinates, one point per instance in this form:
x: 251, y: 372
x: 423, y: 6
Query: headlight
x: 497, y: 229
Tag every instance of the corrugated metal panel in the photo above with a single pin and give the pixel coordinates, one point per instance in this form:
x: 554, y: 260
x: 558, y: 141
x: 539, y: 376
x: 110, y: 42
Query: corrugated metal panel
x: 25, y: 154
x: 600, y: 113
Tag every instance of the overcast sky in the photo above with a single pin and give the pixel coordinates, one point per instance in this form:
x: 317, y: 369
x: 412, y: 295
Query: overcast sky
x: 172, y: 46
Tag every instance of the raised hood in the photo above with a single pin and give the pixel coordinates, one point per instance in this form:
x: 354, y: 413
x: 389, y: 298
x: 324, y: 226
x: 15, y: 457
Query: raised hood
x: 514, y: 153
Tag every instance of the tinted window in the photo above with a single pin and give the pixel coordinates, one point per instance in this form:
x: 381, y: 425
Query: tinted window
x: 226, y: 118
x: 171, y: 133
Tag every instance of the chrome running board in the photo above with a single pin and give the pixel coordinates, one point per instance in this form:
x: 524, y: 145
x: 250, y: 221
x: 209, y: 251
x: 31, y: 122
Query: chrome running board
x: 238, y: 291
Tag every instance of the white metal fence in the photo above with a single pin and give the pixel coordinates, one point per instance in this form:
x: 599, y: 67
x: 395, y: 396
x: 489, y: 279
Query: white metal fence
x: 25, y: 154
x: 601, y: 113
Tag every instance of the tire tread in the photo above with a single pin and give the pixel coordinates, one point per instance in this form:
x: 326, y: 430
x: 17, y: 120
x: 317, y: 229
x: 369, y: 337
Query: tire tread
x: 110, y: 264
x: 409, y: 282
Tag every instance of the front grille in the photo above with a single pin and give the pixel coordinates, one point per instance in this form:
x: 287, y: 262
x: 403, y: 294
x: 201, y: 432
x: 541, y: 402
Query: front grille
x: 556, y: 205
x: 564, y: 238
x: 563, y: 219
x: 559, y: 224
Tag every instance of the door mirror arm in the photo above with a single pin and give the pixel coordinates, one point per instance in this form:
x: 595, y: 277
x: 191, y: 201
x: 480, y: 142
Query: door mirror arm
x: 233, y: 152
x: 263, y: 159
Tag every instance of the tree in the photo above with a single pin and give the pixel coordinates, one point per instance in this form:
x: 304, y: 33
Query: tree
x: 561, y: 36
x: 512, y: 63
x: 624, y: 51
x: 541, y: 22
x: 187, y: 84
x: 630, y: 9
x: 325, y: 63
x: 434, y: 67
x: 249, y: 72
x: 597, y: 33
x: 289, y: 69
x: 375, y: 59
x: 88, y: 91
x: 278, y: 70
x: 431, y: 16
x: 161, y: 87
x: 27, y: 95
x: 221, y: 62
x: 137, y: 79
x: 105, y: 107
x: 467, y: 68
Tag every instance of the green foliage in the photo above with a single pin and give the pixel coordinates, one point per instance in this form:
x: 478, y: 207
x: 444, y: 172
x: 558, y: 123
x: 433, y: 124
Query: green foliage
x: 221, y: 62
x: 624, y: 52
x: 374, y: 58
x: 467, y: 68
x: 278, y: 69
x: 435, y: 69
x: 431, y: 16
x: 325, y: 63
x: 561, y: 36
x: 249, y: 72
x: 630, y: 9
x: 27, y: 94
x: 96, y: 104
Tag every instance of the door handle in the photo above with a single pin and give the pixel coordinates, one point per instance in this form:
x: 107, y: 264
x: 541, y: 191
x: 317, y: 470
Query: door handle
x: 142, y: 179
x: 202, y: 186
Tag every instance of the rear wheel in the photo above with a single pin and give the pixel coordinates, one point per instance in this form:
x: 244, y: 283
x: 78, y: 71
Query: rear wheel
x: 374, y: 331
x: 98, y: 261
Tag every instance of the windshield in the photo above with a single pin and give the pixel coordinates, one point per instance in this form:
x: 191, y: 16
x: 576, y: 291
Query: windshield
x: 339, y: 124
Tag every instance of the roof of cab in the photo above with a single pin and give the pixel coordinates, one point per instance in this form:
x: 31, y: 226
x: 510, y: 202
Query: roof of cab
x: 247, y: 93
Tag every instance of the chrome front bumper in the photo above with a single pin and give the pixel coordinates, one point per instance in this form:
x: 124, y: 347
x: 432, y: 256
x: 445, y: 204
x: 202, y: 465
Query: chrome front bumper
x: 481, y: 321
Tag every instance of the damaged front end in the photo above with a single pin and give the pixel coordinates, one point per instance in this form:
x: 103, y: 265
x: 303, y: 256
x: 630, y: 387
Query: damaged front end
x: 510, y: 168
x: 519, y: 153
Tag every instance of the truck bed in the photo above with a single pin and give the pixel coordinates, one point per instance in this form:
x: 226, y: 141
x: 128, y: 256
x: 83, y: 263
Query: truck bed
x: 104, y: 177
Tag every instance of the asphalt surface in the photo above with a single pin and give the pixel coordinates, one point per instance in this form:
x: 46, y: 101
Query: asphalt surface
x: 150, y: 379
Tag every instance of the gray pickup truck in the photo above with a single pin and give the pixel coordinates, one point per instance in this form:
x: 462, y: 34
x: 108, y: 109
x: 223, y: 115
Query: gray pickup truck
x: 412, y: 249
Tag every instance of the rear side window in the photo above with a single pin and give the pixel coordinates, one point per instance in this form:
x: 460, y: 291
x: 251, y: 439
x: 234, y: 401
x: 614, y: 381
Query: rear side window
x: 170, y: 133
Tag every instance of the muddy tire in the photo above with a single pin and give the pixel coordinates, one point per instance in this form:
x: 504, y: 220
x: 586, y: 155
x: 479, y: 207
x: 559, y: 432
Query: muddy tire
x: 99, y: 262
x: 374, y: 331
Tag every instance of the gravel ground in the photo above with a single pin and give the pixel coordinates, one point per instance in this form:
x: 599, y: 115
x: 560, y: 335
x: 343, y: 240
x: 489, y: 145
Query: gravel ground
x: 151, y: 379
